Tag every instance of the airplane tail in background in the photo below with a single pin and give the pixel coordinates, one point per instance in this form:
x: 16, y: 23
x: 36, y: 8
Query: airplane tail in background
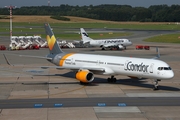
x: 51, y: 40
x: 84, y: 35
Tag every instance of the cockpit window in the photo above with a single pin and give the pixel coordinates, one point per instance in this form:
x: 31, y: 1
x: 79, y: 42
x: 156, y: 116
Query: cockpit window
x: 164, y: 68
x: 160, y: 68
x: 167, y: 68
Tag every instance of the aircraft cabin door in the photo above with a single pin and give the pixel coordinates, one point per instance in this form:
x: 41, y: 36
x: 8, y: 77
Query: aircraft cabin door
x: 98, y: 62
x: 151, y: 68
x: 72, y: 61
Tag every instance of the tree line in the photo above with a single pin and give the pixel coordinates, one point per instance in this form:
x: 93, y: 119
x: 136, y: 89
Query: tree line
x: 155, y: 13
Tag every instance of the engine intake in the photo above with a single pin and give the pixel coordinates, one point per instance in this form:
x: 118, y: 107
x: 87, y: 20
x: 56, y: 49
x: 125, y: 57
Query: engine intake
x: 85, y: 76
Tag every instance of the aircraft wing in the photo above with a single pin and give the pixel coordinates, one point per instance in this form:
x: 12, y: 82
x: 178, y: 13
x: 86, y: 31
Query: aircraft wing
x: 82, y: 41
x: 90, y: 68
x: 108, y: 45
x: 76, y: 41
x: 40, y: 57
x: 48, y: 58
x: 113, y: 44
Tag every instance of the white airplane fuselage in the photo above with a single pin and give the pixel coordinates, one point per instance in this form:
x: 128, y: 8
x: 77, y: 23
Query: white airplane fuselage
x: 109, y: 42
x: 113, y: 65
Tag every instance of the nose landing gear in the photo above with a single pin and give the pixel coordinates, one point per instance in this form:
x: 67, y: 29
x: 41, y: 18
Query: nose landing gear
x: 156, y: 86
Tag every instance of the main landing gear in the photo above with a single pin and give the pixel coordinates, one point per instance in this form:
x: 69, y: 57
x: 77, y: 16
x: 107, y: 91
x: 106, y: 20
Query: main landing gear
x: 103, y: 48
x: 156, y: 86
x: 112, y: 79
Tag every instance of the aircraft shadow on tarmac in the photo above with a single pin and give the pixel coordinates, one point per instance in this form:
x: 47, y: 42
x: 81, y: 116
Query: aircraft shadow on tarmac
x: 130, y: 82
x: 48, y: 83
x: 136, y: 82
x: 68, y: 74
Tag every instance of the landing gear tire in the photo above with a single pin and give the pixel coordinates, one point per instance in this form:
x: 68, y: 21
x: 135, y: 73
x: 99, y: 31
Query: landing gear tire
x: 112, y: 80
x: 109, y: 80
x: 156, y: 86
x: 103, y: 49
x: 81, y: 83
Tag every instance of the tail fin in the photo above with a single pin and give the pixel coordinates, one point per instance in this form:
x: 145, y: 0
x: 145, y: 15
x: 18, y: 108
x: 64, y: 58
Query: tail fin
x: 51, y: 40
x: 84, y: 35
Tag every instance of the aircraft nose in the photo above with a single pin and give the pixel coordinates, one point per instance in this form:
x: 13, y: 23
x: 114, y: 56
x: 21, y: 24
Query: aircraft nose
x: 131, y: 43
x: 170, y: 74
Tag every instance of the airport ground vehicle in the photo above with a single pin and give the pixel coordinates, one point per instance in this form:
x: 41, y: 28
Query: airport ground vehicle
x: 146, y: 47
x: 34, y: 47
x: 2, y: 47
x: 140, y: 47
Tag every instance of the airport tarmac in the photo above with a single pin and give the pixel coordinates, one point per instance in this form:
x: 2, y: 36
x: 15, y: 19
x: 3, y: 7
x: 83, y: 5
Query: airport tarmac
x: 40, y: 90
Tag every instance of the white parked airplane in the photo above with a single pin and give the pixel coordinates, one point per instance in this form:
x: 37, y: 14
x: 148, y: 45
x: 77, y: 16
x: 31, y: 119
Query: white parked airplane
x: 105, y: 43
x: 86, y: 65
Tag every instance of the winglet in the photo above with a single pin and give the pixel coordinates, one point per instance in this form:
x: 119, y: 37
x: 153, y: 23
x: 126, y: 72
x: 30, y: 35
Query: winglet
x: 7, y: 61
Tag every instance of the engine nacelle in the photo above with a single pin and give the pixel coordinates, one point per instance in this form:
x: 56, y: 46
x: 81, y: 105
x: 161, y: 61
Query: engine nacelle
x: 120, y: 47
x: 85, y: 76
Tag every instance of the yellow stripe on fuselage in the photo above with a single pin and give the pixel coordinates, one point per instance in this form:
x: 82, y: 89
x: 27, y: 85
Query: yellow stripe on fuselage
x: 51, y: 41
x: 61, y: 62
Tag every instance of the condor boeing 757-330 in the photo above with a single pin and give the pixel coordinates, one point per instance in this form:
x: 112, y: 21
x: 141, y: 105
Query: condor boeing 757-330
x: 86, y: 65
